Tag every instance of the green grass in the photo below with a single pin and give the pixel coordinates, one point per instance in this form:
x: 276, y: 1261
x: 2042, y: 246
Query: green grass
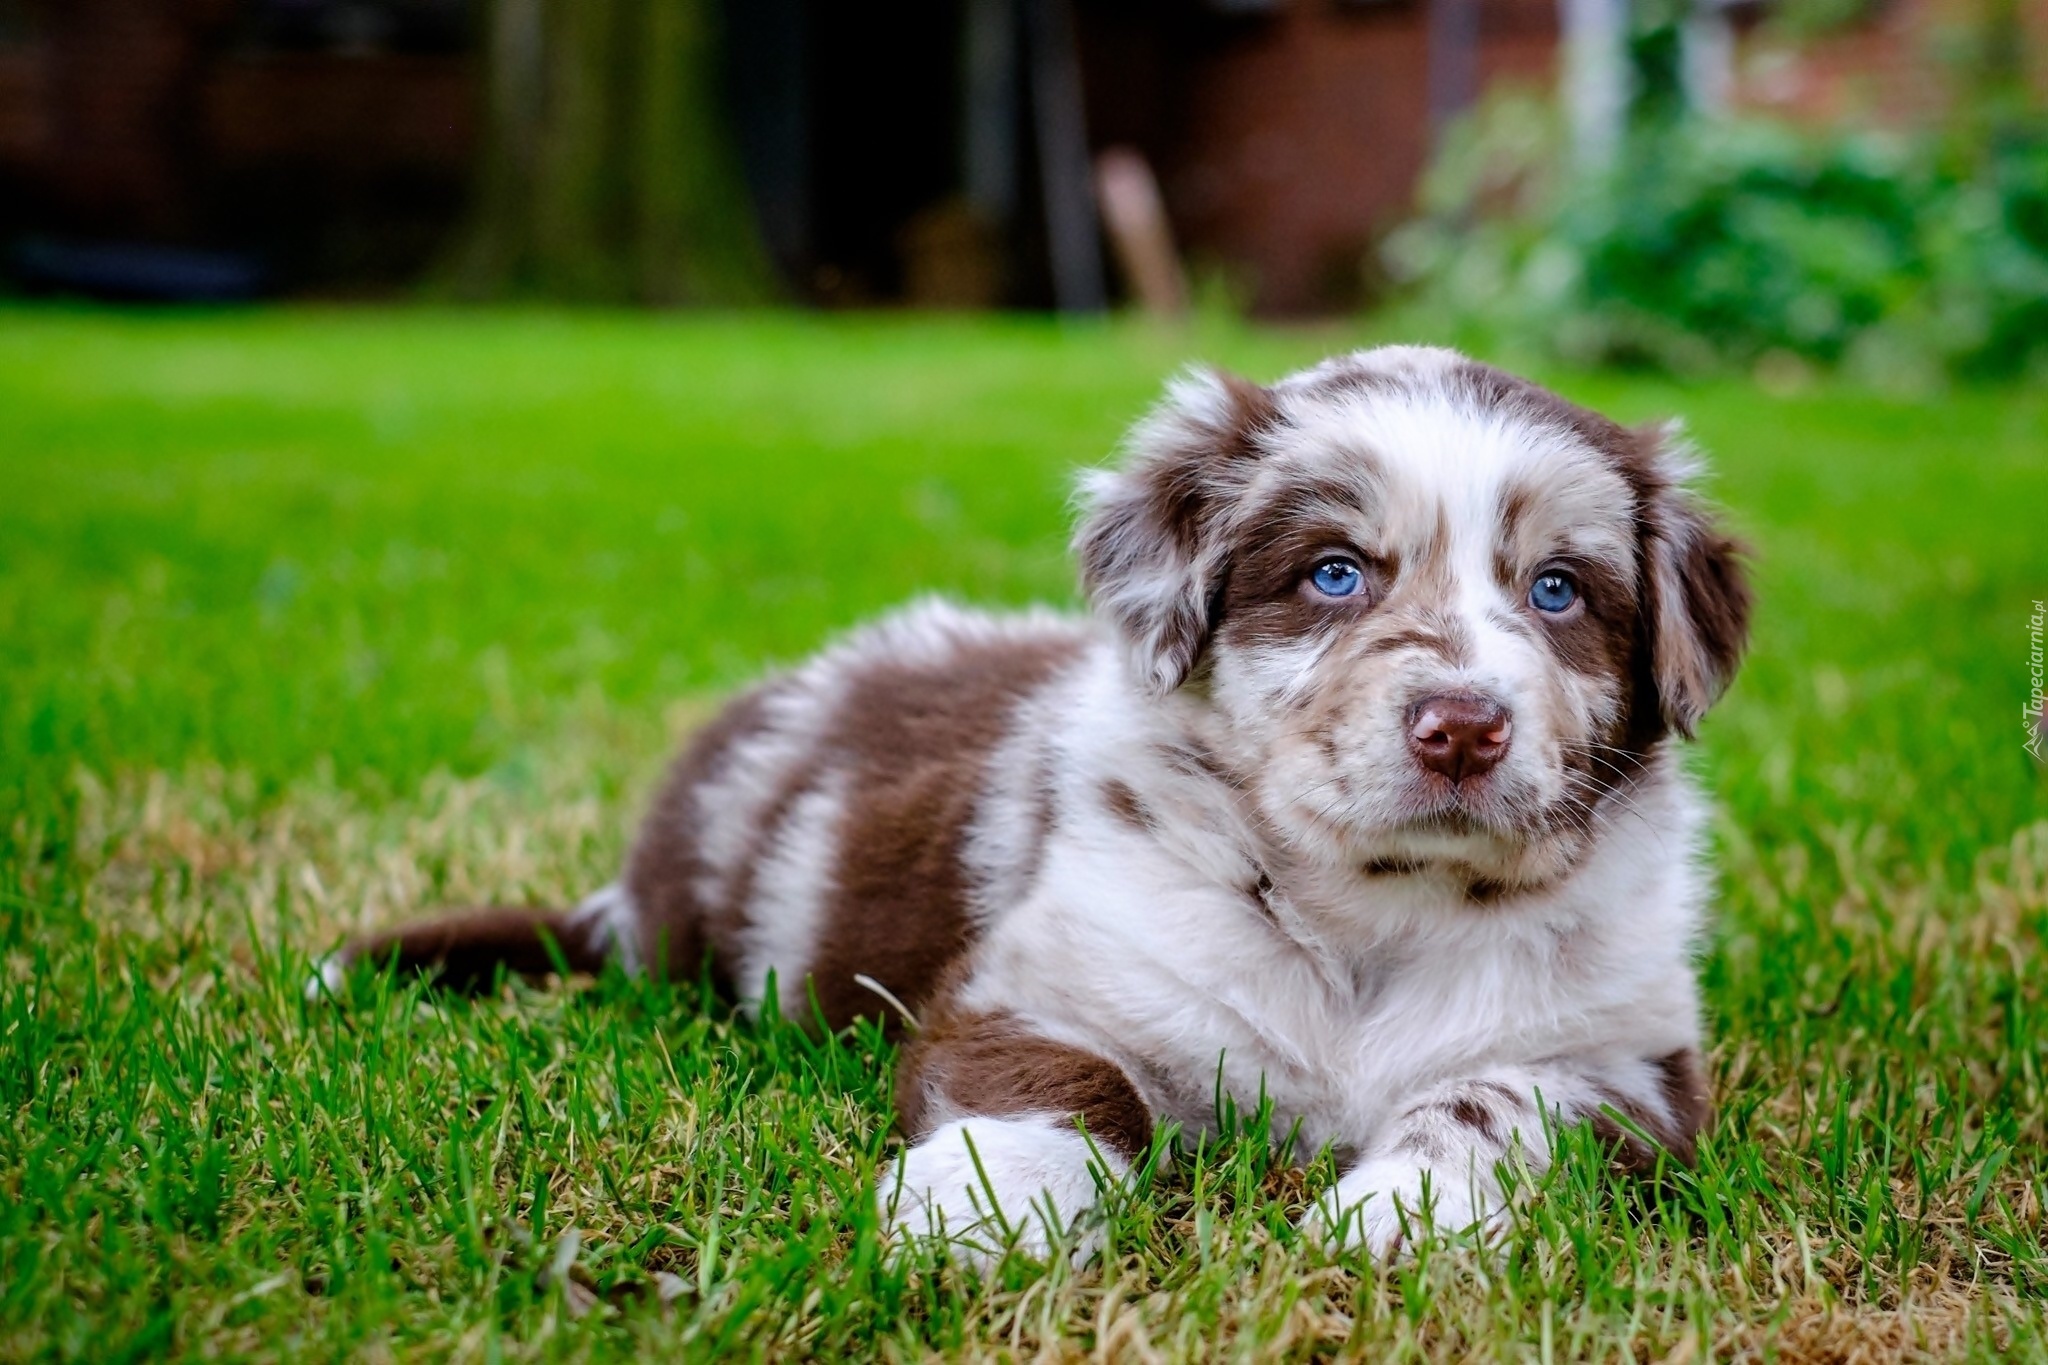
x: 312, y: 620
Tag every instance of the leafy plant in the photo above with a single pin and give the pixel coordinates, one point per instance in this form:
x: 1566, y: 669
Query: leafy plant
x: 1713, y: 242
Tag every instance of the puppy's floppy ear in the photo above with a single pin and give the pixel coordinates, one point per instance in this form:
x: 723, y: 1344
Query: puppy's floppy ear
x: 1152, y: 556
x: 1696, y: 596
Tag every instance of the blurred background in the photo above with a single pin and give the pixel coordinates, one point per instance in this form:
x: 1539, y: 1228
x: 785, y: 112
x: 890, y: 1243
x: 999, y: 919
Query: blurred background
x: 1843, y: 169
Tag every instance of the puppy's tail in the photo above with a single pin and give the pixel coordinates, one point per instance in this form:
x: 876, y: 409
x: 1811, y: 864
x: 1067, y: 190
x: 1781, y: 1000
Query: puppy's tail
x: 469, y: 951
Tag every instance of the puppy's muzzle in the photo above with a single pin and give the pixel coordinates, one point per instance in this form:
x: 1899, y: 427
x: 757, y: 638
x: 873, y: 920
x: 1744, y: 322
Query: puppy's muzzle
x: 1459, y: 735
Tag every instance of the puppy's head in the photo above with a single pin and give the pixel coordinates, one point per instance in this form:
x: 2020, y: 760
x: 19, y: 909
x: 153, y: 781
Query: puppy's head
x: 1441, y: 616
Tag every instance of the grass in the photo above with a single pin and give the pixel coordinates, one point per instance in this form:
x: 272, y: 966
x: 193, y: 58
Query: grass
x: 313, y: 620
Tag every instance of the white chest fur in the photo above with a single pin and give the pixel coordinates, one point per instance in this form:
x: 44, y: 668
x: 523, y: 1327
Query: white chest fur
x: 1162, y: 949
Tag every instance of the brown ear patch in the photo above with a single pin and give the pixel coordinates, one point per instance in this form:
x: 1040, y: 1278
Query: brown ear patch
x: 1697, y: 602
x: 1695, y: 596
x: 1145, y: 546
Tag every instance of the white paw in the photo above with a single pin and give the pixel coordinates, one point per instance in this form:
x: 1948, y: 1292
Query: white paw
x: 1035, y: 1180
x: 1383, y: 1205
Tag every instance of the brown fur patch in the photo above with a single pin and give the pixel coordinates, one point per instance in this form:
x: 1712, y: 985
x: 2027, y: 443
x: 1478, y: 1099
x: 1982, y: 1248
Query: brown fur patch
x: 1195, y: 761
x: 1485, y: 891
x: 916, y: 740
x: 1260, y: 893
x: 1475, y: 1116
x: 1688, y: 1095
x: 466, y: 952
x: 1162, y: 516
x: 1345, y: 376
x: 1127, y: 806
x: 1414, y: 638
x: 664, y: 868
x: 992, y: 1064
x: 1433, y: 576
x: 1044, y: 814
x: 1266, y: 598
x: 1693, y: 622
x: 1683, y: 1090
x: 1516, y: 503
x: 1596, y: 640
x: 1698, y: 605
x: 1501, y: 1093
x: 1484, y: 387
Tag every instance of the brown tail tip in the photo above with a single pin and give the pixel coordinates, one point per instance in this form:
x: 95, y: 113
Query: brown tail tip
x: 468, y: 951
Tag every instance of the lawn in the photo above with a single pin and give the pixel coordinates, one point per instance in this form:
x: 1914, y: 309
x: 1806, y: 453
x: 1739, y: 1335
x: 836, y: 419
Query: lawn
x: 311, y: 620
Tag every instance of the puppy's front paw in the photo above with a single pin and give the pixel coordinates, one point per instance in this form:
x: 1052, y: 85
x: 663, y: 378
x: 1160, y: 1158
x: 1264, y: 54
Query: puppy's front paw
x: 976, y: 1183
x: 1383, y: 1205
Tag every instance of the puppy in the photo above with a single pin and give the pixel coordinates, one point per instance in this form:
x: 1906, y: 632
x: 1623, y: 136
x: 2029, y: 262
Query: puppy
x: 1355, y: 790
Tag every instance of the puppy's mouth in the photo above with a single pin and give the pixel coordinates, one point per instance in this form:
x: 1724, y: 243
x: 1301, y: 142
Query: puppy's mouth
x: 1367, y: 811
x: 1465, y: 823
x: 1485, y: 823
x: 1492, y: 859
x: 1472, y: 809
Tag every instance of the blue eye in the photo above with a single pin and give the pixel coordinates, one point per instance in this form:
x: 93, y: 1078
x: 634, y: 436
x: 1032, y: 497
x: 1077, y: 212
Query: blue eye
x: 1553, y: 593
x: 1337, y: 578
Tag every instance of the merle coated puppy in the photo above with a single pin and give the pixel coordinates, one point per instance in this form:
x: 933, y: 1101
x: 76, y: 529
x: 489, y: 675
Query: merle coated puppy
x: 1357, y: 787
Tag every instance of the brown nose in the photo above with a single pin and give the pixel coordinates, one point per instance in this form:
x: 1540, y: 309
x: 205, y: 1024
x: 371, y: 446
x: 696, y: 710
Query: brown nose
x: 1458, y: 734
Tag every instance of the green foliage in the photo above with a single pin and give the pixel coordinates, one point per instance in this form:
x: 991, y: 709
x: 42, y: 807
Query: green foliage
x: 313, y: 620
x: 1717, y: 242
x: 1654, y: 56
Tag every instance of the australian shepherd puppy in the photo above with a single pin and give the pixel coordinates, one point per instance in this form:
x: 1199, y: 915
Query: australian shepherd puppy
x: 1356, y: 789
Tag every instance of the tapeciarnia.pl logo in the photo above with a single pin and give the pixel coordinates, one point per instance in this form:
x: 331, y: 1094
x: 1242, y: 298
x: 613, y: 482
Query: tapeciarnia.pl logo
x: 2037, y: 737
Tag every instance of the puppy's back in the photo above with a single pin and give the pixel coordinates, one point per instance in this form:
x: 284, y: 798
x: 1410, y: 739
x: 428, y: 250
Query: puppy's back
x: 817, y: 827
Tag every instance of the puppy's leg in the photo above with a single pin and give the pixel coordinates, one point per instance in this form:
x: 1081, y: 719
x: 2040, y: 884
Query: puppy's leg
x: 1436, y: 1166
x: 464, y: 952
x: 1012, y: 1134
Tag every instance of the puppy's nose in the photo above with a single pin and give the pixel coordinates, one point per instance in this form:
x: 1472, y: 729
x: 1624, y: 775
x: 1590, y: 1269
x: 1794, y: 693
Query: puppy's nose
x: 1459, y: 734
